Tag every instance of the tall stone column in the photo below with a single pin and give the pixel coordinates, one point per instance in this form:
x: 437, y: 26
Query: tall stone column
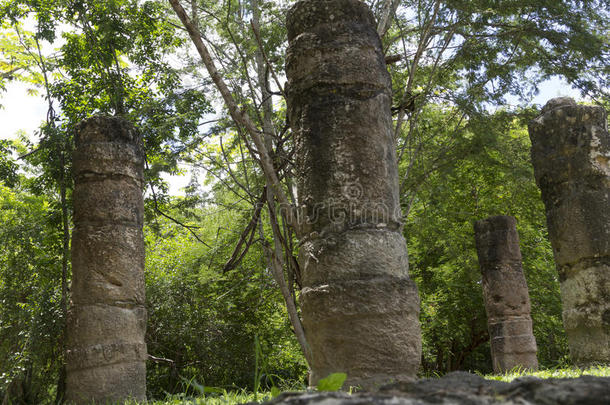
x: 507, y: 300
x: 571, y: 157
x: 359, y: 307
x: 106, y: 353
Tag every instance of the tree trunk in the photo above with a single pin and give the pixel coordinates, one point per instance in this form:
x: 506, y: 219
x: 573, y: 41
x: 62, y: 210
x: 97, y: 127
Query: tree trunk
x: 106, y: 353
x: 360, y: 309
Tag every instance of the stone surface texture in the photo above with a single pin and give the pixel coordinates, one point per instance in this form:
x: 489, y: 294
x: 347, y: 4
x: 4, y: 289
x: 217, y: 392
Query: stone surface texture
x: 359, y: 307
x: 106, y: 353
x: 571, y: 157
x: 460, y: 388
x: 505, y: 293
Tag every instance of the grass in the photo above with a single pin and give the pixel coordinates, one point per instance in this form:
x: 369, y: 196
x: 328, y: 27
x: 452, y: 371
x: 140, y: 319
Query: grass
x: 225, y: 398
x: 566, y: 372
x: 216, y: 396
x: 243, y: 396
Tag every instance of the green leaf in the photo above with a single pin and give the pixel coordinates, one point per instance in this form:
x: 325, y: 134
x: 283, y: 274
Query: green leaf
x: 333, y: 382
x: 275, y: 391
x: 213, y: 390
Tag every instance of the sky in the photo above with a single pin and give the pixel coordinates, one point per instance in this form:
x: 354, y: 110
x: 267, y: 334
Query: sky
x: 22, y: 112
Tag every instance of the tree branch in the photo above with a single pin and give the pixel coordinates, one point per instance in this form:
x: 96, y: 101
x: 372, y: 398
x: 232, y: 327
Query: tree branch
x: 238, y: 253
x: 277, y: 268
x: 236, y: 113
x: 387, y: 11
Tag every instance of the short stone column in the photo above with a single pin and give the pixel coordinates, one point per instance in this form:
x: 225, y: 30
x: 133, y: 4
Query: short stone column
x: 507, y: 300
x: 106, y: 353
x: 571, y: 158
x: 360, y: 308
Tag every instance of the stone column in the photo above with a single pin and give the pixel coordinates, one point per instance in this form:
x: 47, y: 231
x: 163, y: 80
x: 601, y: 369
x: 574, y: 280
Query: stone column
x: 507, y: 300
x: 106, y: 353
x: 359, y: 307
x: 571, y: 157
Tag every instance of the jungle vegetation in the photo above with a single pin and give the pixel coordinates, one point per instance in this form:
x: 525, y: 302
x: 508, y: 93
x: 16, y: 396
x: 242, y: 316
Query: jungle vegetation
x: 463, y: 74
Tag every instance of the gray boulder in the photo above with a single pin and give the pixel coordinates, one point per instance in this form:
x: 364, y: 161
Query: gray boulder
x: 467, y: 389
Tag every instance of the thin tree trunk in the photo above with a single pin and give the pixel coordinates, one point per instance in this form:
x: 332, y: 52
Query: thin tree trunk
x: 61, y: 383
x: 261, y: 71
x: 65, y: 222
x: 387, y: 11
x: 277, y: 262
x: 278, y: 272
x: 264, y: 144
x: 239, y: 116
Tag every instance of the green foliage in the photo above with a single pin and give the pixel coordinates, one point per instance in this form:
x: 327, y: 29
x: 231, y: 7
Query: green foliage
x: 458, y: 163
x: 115, y: 58
x: 333, y: 382
x: 557, y: 372
x: 111, y: 61
x: 477, y: 52
x: 31, y: 321
x: 16, y: 62
x: 206, y: 321
x: 486, y: 171
x: 8, y: 167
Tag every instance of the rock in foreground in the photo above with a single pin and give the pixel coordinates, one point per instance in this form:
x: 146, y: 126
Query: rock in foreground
x: 466, y: 388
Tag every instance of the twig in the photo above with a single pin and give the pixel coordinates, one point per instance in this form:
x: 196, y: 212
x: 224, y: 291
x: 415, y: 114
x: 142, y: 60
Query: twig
x: 158, y: 210
x: 250, y: 230
x: 278, y: 273
x: 269, y: 66
x: 161, y: 360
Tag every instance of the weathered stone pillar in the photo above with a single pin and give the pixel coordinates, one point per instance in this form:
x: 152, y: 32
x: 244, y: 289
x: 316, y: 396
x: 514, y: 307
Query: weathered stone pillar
x: 359, y: 307
x: 571, y: 157
x: 507, y: 300
x: 106, y: 353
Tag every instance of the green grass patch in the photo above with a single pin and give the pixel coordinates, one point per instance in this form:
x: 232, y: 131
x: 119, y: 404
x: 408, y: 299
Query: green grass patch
x: 226, y: 398
x: 566, y: 372
x: 242, y: 396
x: 221, y: 398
